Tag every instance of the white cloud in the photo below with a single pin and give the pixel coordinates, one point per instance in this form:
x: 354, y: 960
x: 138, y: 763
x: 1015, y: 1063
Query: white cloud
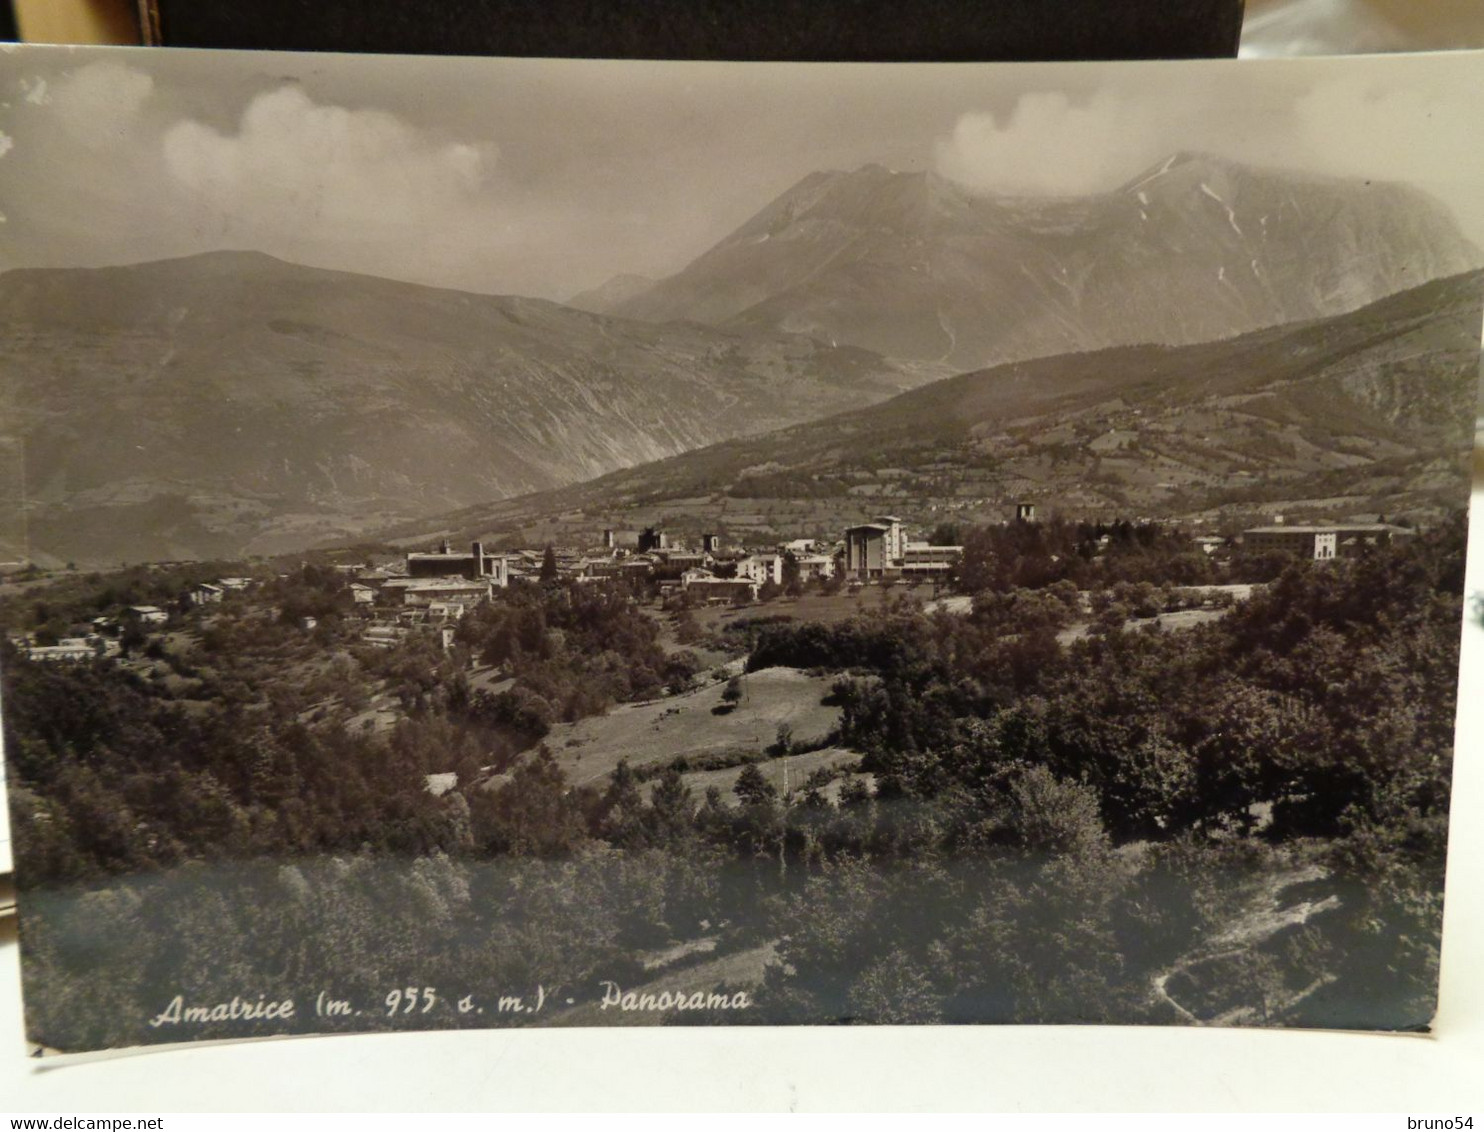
x: 7, y: 143
x: 1051, y: 144
x: 297, y: 168
x: 1415, y: 125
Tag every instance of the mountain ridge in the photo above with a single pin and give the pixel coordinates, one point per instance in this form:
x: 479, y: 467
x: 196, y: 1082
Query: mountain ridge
x: 915, y: 266
x: 232, y: 402
x: 1383, y: 398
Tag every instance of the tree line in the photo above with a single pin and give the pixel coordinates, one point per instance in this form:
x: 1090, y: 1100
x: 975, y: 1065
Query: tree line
x: 1035, y: 830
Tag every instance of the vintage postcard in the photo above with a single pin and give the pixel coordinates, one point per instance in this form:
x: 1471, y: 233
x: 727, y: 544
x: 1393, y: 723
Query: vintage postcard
x: 496, y: 543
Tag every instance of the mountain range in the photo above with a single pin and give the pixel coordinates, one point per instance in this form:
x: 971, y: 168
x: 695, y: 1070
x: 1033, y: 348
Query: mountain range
x: 231, y: 403
x: 1366, y: 411
x: 1197, y: 248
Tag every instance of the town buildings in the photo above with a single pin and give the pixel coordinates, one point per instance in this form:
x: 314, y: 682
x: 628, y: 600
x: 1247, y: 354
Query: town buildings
x: 815, y: 567
x: 707, y: 587
x: 761, y: 568
x: 653, y: 538
x: 865, y: 550
x: 923, y: 560
x: 474, y: 564
x: 431, y: 591
x: 880, y: 550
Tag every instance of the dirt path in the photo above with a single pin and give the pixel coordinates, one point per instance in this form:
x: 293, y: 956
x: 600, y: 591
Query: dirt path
x: 1265, y: 915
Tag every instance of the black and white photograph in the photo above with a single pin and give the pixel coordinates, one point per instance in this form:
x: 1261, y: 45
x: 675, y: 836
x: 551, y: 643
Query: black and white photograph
x: 534, y: 543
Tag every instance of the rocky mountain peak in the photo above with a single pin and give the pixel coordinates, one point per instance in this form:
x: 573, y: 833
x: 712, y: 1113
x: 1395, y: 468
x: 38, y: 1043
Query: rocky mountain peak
x: 1198, y: 247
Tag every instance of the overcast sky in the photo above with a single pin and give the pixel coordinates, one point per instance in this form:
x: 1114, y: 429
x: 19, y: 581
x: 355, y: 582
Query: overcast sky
x: 544, y: 178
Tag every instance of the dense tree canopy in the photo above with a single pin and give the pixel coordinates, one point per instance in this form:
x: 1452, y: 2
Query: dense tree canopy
x: 1049, y: 813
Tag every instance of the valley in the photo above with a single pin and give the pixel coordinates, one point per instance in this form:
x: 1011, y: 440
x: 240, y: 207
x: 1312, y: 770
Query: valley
x: 1364, y: 413
x: 544, y: 542
x: 232, y: 403
x: 1080, y: 351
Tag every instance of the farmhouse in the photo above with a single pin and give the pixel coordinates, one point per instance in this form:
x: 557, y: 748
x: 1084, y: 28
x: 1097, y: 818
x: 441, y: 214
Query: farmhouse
x: 204, y: 594
x: 146, y: 614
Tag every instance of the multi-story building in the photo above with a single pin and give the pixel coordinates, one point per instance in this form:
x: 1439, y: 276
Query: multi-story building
x: 923, y: 560
x: 866, y: 554
x: 601, y: 568
x: 708, y: 587
x: 812, y: 566
x: 426, y: 591
x: 1320, y: 542
x: 653, y: 538
x: 881, y: 550
x: 446, y: 563
x: 761, y: 568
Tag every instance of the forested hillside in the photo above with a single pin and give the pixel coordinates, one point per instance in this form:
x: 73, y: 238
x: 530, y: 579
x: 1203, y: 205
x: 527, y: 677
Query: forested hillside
x: 1241, y: 822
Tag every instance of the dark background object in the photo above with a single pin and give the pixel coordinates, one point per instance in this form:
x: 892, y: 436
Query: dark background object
x: 793, y: 30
